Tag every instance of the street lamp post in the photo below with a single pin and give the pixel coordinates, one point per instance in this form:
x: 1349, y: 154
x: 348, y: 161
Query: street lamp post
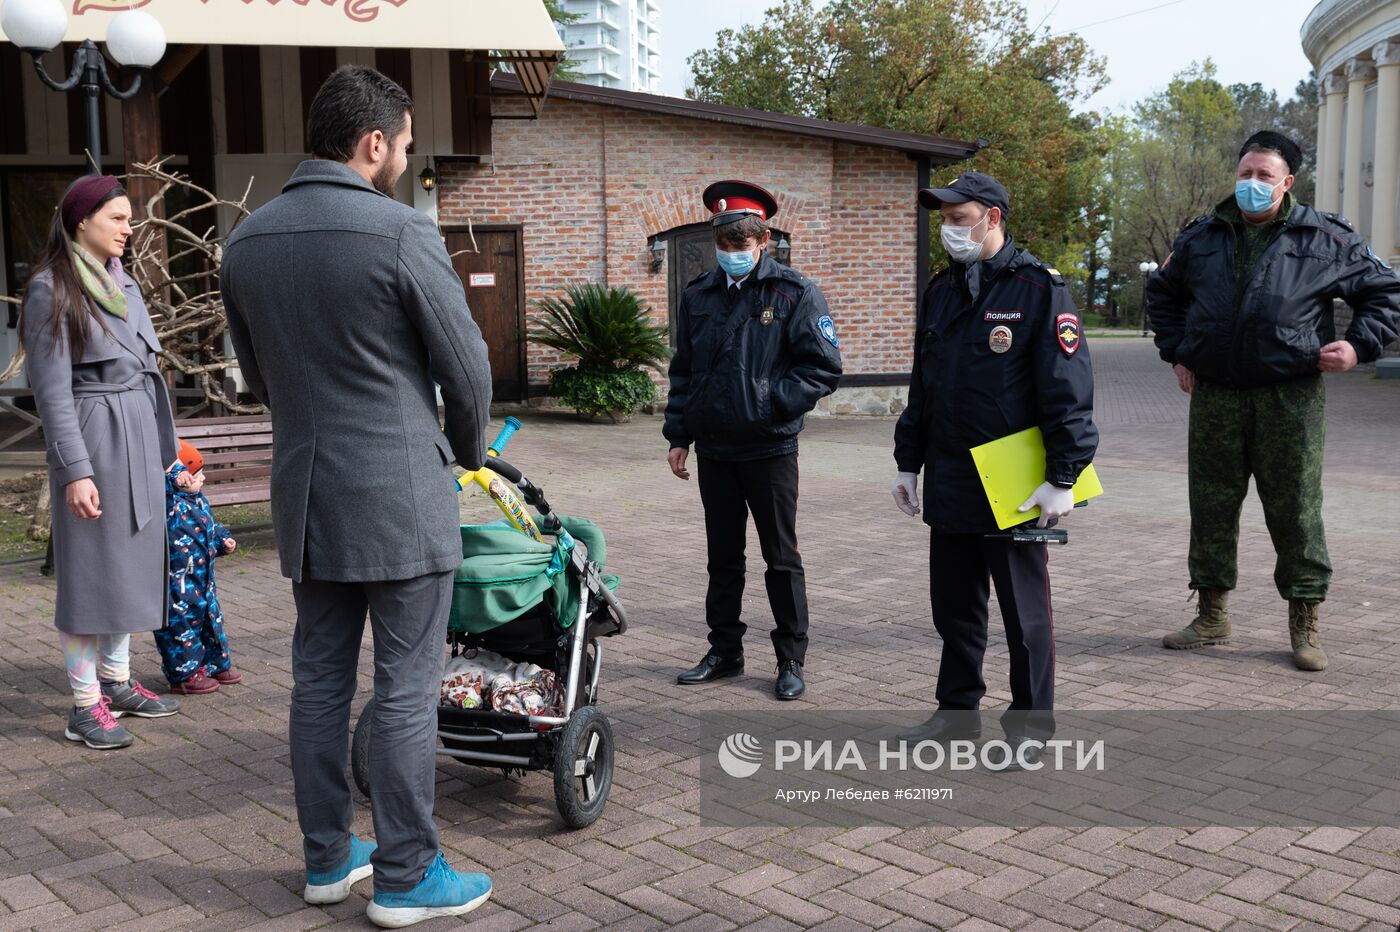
x: 1146, y: 268
x: 134, y: 39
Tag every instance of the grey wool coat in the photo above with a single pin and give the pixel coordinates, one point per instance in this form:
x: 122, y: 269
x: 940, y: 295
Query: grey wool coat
x: 106, y: 417
x: 344, y: 310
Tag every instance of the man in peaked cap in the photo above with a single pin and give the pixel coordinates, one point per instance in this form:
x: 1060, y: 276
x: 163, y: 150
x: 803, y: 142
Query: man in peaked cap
x: 997, y: 350
x: 756, y: 349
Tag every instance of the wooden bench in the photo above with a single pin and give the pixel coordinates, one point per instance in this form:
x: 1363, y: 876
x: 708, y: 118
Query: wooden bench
x: 237, y: 456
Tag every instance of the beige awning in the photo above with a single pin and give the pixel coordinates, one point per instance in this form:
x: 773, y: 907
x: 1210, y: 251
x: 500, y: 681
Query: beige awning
x: 516, y: 32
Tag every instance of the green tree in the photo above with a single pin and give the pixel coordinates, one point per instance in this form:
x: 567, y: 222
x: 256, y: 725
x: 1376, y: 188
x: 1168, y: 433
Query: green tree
x: 567, y: 70
x: 965, y: 69
x: 1298, y: 120
x: 1168, y: 165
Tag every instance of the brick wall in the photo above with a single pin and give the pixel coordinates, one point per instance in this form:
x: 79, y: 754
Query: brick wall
x: 590, y: 183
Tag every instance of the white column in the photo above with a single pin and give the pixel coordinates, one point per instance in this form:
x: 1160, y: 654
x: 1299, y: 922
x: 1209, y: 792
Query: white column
x: 1383, y: 239
x: 1320, y: 166
x: 1334, y: 89
x: 1359, y: 74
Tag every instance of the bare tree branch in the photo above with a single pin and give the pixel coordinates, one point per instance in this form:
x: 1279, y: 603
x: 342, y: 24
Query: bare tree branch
x: 176, y: 264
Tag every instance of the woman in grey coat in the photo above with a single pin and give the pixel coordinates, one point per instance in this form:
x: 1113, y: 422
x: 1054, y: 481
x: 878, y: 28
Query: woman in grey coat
x: 109, y: 434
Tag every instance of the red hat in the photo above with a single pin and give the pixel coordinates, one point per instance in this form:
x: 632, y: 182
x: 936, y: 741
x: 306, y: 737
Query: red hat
x: 734, y: 200
x: 192, y: 458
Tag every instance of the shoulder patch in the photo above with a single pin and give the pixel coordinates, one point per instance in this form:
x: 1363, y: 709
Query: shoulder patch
x: 827, y: 328
x: 1067, y: 332
x: 1380, y: 263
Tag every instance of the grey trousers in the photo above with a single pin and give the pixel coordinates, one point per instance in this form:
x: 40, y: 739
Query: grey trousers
x: 408, y: 619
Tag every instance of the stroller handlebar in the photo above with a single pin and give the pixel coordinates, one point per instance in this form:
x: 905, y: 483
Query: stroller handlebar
x: 503, y: 469
x: 532, y: 493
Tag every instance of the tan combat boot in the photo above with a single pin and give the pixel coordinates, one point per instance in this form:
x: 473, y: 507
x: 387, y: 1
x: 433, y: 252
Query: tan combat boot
x: 1210, y: 626
x: 1302, y: 628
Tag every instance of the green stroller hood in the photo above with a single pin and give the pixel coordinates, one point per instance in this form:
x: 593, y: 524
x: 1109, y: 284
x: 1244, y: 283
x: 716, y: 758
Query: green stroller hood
x: 504, y: 574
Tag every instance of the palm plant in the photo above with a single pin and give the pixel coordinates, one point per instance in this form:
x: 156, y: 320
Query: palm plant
x: 601, y: 327
x: 609, y: 331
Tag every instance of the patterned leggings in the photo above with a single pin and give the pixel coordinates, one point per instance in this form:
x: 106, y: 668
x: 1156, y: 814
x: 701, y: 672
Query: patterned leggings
x: 90, y: 656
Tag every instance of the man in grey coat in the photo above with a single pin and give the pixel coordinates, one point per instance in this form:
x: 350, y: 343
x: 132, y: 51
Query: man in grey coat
x: 344, y: 311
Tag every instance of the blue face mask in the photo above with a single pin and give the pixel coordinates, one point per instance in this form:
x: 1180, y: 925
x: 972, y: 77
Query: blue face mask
x: 737, y: 264
x: 1254, y: 196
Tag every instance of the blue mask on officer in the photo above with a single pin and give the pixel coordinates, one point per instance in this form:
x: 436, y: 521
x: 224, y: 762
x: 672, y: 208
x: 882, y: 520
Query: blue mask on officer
x: 1254, y: 196
x: 737, y: 264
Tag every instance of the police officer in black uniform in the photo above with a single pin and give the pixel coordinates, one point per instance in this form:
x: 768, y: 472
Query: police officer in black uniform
x: 755, y: 350
x: 997, y: 349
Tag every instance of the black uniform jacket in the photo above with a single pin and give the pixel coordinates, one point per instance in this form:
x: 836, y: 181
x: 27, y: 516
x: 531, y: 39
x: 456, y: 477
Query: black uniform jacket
x: 963, y: 392
x: 747, y: 369
x: 1284, y: 317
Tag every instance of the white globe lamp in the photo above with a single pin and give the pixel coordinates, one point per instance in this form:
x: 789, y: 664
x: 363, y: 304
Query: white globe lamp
x: 34, y: 25
x: 136, y: 39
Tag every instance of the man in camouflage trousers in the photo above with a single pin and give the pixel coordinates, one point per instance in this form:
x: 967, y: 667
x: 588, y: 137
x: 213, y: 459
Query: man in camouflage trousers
x: 1242, y: 309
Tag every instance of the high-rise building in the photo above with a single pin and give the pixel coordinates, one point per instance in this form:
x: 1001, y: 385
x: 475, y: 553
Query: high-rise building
x: 615, y: 43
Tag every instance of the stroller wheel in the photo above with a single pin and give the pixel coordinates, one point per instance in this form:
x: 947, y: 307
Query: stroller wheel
x: 359, y: 749
x: 583, y: 767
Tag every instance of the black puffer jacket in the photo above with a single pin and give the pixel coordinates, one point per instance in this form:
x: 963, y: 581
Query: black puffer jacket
x: 747, y: 369
x: 1284, y: 317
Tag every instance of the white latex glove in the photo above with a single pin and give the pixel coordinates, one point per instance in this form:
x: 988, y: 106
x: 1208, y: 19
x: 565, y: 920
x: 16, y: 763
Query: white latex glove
x: 906, y: 493
x: 1053, y: 501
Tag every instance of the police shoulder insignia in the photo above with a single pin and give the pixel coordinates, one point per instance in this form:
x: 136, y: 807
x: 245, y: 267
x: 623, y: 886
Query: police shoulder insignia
x: 1067, y: 332
x: 1055, y: 275
x: 827, y: 327
x: 1377, y: 259
x: 1341, y: 221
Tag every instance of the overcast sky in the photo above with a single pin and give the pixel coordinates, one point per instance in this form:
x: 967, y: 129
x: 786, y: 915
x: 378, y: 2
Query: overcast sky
x: 1144, y: 41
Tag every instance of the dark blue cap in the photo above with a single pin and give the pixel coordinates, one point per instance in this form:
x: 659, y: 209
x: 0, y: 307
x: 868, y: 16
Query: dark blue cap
x: 969, y: 186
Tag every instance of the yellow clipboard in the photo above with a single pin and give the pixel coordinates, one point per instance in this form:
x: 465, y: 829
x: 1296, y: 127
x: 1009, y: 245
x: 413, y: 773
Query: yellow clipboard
x: 1013, y: 467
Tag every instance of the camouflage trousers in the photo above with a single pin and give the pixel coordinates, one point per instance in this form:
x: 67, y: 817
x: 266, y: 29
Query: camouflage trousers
x: 1275, y: 434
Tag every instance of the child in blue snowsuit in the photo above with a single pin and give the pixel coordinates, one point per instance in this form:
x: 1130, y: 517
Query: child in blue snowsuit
x: 194, y: 652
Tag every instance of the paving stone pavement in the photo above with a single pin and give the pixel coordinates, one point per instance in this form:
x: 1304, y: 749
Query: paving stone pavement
x: 194, y: 828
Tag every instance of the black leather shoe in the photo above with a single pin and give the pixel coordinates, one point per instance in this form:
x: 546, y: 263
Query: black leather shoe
x: 790, y: 684
x: 946, y: 726
x: 712, y: 668
x: 1023, y: 749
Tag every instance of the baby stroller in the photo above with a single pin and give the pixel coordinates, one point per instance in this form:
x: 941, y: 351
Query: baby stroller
x: 533, y: 593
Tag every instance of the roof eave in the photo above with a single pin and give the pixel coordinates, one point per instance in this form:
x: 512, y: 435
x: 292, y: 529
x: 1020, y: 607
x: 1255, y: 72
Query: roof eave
x: 941, y: 151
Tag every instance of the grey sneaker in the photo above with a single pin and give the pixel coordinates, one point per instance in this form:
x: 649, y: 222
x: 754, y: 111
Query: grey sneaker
x: 131, y: 698
x: 95, y: 727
